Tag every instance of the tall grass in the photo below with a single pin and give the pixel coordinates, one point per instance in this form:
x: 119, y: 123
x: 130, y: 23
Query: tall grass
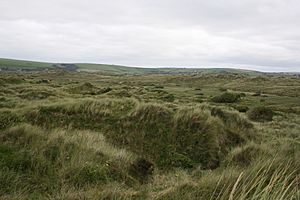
x: 33, y: 159
x: 275, y: 179
x: 266, y: 180
x: 61, y: 137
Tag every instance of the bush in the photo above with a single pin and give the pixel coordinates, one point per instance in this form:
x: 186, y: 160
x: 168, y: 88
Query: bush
x: 226, y: 97
x: 260, y: 114
x: 241, y: 108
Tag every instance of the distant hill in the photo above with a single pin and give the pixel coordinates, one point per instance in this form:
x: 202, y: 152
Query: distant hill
x: 24, y: 65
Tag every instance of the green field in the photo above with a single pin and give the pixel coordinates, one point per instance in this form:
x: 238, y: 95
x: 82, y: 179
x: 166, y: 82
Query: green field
x: 22, y: 65
x: 114, y: 132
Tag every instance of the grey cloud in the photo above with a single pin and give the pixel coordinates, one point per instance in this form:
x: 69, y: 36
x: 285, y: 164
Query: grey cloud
x: 252, y: 34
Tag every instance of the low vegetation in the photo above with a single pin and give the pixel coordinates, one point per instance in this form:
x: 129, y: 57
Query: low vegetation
x: 77, y: 135
x: 226, y: 97
x: 260, y: 114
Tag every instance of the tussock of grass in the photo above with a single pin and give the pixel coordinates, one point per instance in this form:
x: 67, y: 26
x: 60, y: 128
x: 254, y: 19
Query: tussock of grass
x: 245, y: 155
x: 158, y: 144
x: 183, y: 138
x: 151, y: 113
x: 241, y: 108
x: 260, y: 114
x: 236, y: 129
x: 195, y: 134
x: 76, y: 158
x: 80, y: 114
x: 226, y: 97
x: 268, y: 179
x: 149, y: 126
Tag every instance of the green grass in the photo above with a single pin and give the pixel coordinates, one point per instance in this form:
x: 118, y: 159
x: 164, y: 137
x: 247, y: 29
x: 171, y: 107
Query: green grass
x: 14, y: 65
x: 23, y: 64
x: 79, y: 135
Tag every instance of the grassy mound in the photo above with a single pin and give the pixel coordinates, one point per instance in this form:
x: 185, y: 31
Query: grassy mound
x: 81, y: 114
x: 46, y: 162
x: 268, y: 179
x: 160, y: 143
x: 184, y: 138
x: 195, y: 134
x: 260, y: 114
x: 245, y: 155
x: 226, y: 97
x: 149, y: 126
x: 241, y: 108
x: 237, y: 129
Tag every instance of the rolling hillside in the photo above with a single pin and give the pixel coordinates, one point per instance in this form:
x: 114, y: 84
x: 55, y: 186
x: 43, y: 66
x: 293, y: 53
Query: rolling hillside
x: 24, y: 65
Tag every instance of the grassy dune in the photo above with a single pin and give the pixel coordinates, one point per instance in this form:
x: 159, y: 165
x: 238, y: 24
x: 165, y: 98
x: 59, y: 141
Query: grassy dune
x: 78, y: 135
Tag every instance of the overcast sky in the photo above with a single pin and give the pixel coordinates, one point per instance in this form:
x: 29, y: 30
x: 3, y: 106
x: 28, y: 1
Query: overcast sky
x: 250, y: 34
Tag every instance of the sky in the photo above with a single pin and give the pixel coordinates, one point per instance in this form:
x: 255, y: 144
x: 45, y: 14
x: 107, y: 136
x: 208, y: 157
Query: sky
x: 249, y: 34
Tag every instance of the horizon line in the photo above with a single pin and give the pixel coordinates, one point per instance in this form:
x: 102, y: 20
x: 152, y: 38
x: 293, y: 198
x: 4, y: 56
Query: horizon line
x: 150, y: 67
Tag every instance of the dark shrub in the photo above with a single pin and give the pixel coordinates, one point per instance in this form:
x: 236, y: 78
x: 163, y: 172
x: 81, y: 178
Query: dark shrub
x: 142, y: 169
x: 242, y: 108
x: 260, y: 114
x: 226, y: 97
